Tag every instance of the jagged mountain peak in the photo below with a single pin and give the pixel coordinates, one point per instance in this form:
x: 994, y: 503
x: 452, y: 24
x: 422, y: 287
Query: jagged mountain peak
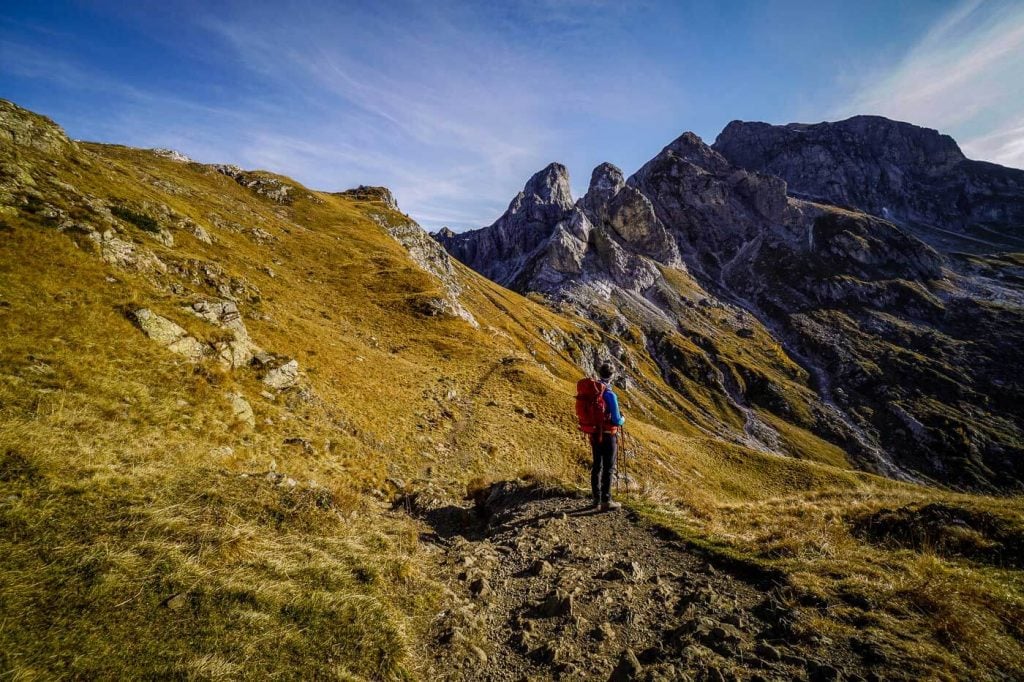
x: 550, y: 185
x: 606, y: 181
x: 606, y: 177
x: 500, y: 250
x: 690, y: 147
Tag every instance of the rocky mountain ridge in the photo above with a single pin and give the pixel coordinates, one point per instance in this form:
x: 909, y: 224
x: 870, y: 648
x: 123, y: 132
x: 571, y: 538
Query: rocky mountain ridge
x: 913, y: 176
x: 855, y: 300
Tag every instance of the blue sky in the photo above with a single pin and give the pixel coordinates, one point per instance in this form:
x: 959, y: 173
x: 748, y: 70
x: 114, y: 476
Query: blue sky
x: 453, y: 105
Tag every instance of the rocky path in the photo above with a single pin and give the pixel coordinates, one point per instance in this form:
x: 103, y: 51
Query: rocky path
x: 540, y: 587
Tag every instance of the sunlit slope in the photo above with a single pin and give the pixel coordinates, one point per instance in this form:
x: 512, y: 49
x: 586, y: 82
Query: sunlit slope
x: 316, y: 280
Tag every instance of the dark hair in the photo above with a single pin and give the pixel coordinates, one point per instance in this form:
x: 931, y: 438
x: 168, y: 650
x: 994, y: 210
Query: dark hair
x: 606, y: 371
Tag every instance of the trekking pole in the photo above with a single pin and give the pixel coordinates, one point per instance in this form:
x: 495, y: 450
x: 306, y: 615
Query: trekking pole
x: 631, y: 453
x: 625, y: 459
x: 626, y: 463
x: 617, y: 487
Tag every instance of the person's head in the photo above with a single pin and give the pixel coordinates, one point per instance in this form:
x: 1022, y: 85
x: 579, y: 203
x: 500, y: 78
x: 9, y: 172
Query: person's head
x: 606, y: 372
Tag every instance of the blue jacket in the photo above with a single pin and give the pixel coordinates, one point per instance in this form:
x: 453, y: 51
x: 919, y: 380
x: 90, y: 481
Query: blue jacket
x: 611, y: 402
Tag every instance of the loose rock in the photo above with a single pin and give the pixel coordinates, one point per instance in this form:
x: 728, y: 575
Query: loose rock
x: 628, y: 668
x: 242, y: 410
x: 557, y: 604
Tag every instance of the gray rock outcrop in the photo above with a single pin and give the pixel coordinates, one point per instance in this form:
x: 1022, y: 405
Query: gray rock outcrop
x: 22, y: 128
x: 382, y: 195
x: 282, y: 375
x: 502, y: 250
x: 241, y: 410
x: 238, y: 349
x: 231, y: 346
x: 124, y: 254
x: 172, y: 154
x: 432, y: 258
x: 259, y: 182
x: 169, y: 335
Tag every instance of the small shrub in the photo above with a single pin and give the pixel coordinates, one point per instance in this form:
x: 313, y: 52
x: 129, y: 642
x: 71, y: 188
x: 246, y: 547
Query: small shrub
x: 139, y: 220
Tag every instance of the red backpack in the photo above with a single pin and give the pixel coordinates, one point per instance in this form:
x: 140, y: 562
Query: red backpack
x: 590, y: 407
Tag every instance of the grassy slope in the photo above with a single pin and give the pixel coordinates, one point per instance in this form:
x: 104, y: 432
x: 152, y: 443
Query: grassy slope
x: 944, y: 601
x: 140, y: 534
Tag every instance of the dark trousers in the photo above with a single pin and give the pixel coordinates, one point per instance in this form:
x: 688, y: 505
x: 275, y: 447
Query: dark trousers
x: 605, y: 448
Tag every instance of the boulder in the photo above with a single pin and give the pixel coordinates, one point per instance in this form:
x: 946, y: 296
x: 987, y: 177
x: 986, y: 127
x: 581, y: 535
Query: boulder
x: 238, y: 350
x: 766, y: 652
x: 282, y: 376
x: 169, y: 335
x: 480, y: 588
x: 126, y: 255
x: 627, y: 669
x: 479, y: 655
x: 603, y: 632
x: 196, y: 230
x: 242, y: 410
x: 557, y: 603
x: 548, y: 653
x: 540, y: 567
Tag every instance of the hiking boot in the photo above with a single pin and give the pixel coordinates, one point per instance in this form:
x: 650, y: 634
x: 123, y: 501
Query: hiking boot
x: 610, y: 506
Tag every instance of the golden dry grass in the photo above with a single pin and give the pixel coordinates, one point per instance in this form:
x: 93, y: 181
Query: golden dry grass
x: 935, y: 614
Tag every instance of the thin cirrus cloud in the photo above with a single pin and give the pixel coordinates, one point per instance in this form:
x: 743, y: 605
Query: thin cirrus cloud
x: 963, y: 77
x: 334, y: 98
x: 443, y: 121
x: 114, y: 109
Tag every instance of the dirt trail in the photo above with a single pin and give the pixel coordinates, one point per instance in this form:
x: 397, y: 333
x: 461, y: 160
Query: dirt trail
x: 541, y: 587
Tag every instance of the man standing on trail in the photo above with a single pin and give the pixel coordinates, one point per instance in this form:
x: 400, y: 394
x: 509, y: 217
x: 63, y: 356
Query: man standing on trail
x: 597, y: 408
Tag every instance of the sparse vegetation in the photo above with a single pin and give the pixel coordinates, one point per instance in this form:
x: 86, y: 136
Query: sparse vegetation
x: 916, y: 605
x: 139, y: 220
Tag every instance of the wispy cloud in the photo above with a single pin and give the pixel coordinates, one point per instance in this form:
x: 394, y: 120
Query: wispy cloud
x: 449, y: 114
x: 964, y: 77
x: 450, y: 104
x: 138, y: 116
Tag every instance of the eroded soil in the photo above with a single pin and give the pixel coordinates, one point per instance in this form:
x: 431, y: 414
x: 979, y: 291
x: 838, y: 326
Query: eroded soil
x: 541, y: 587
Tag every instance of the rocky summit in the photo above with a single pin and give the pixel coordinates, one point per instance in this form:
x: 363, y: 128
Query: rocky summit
x: 252, y: 429
x: 893, y: 350
x: 912, y: 176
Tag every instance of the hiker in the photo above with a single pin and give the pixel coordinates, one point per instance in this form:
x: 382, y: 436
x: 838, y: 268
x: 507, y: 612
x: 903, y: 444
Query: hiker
x: 597, y: 408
